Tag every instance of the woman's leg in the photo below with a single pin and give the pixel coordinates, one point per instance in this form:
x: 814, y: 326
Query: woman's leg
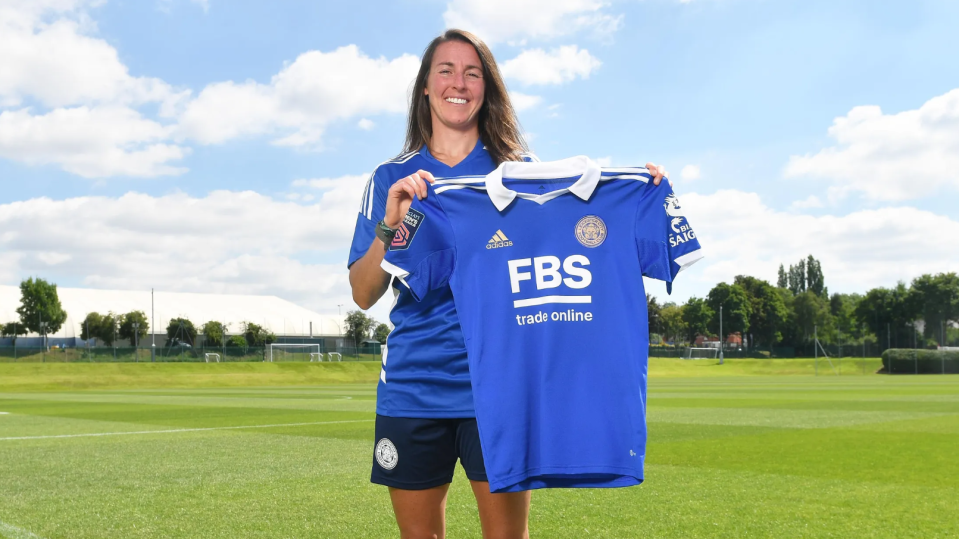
x: 504, y: 515
x: 420, y: 514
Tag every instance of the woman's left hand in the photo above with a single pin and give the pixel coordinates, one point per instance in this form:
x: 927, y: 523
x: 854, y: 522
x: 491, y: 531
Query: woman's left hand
x: 658, y: 173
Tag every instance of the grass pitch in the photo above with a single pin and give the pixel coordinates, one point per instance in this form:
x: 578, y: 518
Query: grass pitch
x: 732, y: 453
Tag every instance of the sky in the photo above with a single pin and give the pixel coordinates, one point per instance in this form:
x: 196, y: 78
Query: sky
x: 213, y: 146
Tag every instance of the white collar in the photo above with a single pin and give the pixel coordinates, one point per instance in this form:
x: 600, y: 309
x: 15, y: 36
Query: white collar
x: 581, y: 166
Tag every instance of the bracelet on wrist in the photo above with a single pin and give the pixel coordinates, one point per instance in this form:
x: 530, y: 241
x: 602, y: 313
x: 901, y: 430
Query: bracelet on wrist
x: 385, y: 233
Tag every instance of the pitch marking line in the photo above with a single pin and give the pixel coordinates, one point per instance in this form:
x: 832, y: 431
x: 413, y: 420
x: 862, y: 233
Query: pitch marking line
x: 13, y: 532
x: 4, y: 413
x: 91, y: 434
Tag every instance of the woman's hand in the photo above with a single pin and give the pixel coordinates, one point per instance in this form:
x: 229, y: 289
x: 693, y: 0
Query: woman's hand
x: 658, y: 173
x: 401, y: 194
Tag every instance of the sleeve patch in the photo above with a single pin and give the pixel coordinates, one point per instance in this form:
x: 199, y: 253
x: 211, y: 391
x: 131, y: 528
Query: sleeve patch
x: 407, y: 231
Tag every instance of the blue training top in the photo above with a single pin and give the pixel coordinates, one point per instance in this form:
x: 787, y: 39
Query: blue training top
x: 545, y: 261
x: 425, y: 373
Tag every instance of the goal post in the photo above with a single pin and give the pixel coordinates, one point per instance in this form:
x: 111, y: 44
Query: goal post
x: 701, y: 353
x: 211, y: 357
x: 293, y: 352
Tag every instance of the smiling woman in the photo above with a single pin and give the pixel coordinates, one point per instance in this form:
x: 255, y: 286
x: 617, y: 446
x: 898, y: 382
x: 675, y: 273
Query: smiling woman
x: 461, y: 124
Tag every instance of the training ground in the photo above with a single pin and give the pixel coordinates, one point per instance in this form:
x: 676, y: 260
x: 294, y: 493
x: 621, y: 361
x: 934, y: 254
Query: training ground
x: 753, y: 448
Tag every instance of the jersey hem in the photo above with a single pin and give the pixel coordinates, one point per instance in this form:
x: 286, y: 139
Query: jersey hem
x: 513, y: 479
x: 428, y: 414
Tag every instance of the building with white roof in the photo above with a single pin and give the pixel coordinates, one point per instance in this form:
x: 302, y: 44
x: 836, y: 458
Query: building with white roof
x: 279, y: 316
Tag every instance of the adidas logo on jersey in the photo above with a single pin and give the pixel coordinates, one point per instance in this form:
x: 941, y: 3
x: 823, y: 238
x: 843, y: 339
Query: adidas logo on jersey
x: 499, y: 240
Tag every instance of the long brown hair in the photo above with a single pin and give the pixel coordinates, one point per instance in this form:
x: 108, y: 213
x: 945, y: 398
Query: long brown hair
x: 498, y: 127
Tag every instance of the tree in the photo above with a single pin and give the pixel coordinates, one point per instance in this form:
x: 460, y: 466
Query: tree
x: 696, y: 316
x: 736, y: 309
x: 815, y: 282
x: 238, y: 341
x: 671, y: 318
x: 381, y: 332
x: 182, y: 330
x: 811, y: 315
x: 39, y: 302
x: 127, y: 331
x: 936, y: 300
x: 767, y: 313
x: 888, y: 313
x: 214, y: 332
x: 782, y: 281
x: 98, y: 326
x: 12, y: 330
x: 257, y: 335
x: 842, y: 307
x: 358, y: 326
x: 797, y: 278
x: 653, y: 312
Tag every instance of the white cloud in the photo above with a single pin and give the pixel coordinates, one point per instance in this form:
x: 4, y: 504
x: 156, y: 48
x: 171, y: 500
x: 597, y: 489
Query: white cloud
x: 889, y: 156
x: 229, y: 242
x: 56, y: 64
x: 302, y: 99
x: 523, y: 102
x: 365, y: 124
x: 508, y: 20
x: 90, y: 142
x: 858, y: 251
x: 812, y: 201
x: 559, y: 65
x: 690, y: 172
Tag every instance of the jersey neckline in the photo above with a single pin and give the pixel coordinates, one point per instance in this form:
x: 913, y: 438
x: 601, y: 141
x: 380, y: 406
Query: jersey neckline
x: 582, y: 166
x: 476, y: 151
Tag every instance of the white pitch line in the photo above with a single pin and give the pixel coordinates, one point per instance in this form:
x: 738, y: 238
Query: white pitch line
x: 13, y: 532
x: 4, y: 413
x: 180, y: 430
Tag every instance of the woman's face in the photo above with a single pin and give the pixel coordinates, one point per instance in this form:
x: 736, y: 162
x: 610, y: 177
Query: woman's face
x: 455, y: 86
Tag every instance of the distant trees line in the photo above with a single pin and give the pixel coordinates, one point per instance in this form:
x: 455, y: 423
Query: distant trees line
x: 799, y: 306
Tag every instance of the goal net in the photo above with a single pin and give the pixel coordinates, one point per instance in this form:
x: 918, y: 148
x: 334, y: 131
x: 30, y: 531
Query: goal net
x: 702, y: 353
x: 294, y: 352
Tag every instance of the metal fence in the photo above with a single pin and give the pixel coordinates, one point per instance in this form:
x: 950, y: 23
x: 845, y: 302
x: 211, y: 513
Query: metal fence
x: 129, y: 354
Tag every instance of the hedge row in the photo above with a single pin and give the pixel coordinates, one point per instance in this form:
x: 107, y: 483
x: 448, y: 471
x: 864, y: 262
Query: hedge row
x: 909, y: 361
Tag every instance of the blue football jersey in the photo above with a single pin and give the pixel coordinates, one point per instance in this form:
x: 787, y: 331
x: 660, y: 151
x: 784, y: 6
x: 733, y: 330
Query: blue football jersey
x: 425, y: 373
x: 545, y: 262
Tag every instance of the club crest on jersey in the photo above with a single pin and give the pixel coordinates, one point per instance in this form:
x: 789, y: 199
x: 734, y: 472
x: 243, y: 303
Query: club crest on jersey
x: 386, y: 455
x: 591, y: 231
x: 673, y: 209
x: 499, y: 240
x: 407, y: 230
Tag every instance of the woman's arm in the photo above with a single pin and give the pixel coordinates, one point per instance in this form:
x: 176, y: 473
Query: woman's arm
x: 367, y: 279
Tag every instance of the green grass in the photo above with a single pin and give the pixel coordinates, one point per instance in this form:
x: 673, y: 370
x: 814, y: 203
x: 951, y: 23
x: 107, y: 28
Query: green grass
x: 735, y: 451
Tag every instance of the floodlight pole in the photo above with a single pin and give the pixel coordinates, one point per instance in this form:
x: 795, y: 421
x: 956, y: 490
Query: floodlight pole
x: 153, y: 346
x: 721, y: 343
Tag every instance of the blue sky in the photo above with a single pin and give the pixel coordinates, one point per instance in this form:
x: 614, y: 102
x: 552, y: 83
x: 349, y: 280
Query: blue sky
x: 214, y: 146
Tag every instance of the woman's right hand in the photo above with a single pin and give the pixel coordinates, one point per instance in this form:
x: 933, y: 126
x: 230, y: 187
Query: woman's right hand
x: 401, y: 194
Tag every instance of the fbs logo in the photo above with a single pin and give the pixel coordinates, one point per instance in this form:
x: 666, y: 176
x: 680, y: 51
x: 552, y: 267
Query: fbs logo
x: 499, y: 240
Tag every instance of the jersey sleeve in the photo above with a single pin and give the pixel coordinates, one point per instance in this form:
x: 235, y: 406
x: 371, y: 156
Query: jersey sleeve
x: 665, y: 241
x: 422, y: 255
x: 372, y: 208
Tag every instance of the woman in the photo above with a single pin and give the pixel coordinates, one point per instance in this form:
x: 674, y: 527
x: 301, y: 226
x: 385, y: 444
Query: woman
x: 461, y: 123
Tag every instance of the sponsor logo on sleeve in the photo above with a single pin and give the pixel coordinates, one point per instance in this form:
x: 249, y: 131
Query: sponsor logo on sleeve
x: 407, y: 230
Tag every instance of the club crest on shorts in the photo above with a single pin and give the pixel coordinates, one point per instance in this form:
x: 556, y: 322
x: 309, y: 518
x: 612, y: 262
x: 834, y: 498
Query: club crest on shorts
x: 591, y: 231
x: 386, y: 455
x: 407, y: 230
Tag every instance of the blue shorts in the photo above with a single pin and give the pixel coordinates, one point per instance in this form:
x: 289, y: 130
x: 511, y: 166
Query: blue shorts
x: 417, y: 454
